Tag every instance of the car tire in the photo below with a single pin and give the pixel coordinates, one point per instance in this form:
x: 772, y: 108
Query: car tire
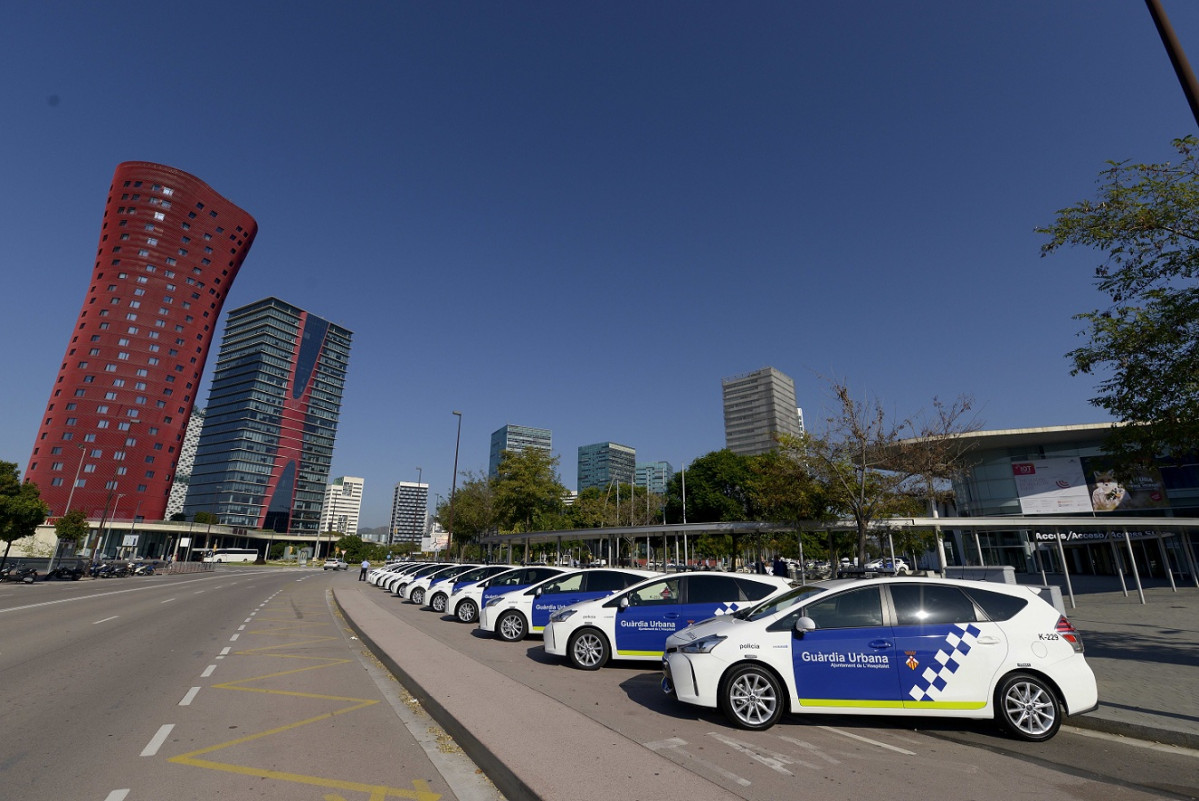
x: 588, y: 649
x: 1027, y: 707
x: 510, y: 626
x: 437, y: 602
x: 751, y: 697
x: 467, y: 611
x: 418, y: 596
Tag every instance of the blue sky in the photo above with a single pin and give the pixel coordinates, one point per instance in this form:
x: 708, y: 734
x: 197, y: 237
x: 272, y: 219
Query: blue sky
x: 581, y: 216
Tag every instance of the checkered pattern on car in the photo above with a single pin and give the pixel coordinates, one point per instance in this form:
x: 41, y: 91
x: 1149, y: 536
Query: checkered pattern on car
x: 933, y: 680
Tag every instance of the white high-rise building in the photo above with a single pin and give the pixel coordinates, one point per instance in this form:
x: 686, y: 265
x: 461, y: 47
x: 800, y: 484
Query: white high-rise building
x: 759, y: 406
x: 409, y: 512
x: 343, y: 502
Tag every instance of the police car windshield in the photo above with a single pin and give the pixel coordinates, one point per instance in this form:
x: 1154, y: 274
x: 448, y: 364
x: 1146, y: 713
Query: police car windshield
x: 779, y: 603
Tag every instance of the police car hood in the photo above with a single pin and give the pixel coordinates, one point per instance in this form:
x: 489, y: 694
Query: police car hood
x: 713, y: 625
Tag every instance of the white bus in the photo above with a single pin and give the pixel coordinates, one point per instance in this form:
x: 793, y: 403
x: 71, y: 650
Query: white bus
x: 232, y: 555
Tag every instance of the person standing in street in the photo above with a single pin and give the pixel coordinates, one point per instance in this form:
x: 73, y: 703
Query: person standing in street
x: 366, y: 565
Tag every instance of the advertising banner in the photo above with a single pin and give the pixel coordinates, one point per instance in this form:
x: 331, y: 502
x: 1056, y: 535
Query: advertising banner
x: 1143, y: 490
x: 1051, y: 486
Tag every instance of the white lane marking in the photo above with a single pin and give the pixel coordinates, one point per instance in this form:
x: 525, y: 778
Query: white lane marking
x: 167, y: 601
x: 160, y: 737
x: 234, y: 638
x: 249, y: 618
x: 853, y: 736
x: 207, y: 671
x: 105, y: 620
x: 117, y: 795
x: 191, y: 696
x: 241, y: 627
x: 142, y: 588
x: 815, y: 751
x: 225, y: 651
x: 675, y: 745
x: 1117, y: 738
x: 771, y: 759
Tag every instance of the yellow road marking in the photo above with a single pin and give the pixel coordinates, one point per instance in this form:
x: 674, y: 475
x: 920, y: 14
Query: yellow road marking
x: 376, y: 792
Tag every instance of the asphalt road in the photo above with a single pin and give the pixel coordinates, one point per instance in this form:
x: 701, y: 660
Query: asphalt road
x: 244, y: 683
x: 826, y: 756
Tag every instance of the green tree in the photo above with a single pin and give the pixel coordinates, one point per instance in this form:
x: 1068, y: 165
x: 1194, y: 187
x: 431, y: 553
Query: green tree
x: 528, y: 493
x: 21, y: 508
x: 474, y: 509
x: 72, y: 527
x: 205, y: 517
x: 874, y: 467
x: 1143, y: 345
x: 719, y: 488
x: 786, y: 491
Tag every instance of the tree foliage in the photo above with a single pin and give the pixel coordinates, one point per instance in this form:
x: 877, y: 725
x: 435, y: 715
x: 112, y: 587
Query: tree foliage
x: 21, y: 508
x: 474, y: 509
x: 1143, y: 345
x: 719, y: 488
x: 528, y: 493
x: 873, y: 466
x: 72, y: 527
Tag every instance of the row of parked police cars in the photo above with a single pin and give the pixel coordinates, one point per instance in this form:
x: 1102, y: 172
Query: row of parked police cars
x: 758, y: 646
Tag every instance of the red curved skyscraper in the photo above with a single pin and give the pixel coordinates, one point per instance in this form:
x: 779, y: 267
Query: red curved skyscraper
x: 170, y: 247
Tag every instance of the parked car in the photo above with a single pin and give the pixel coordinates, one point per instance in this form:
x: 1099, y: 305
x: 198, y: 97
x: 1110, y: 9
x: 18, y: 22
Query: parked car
x: 514, y: 612
x: 634, y: 623
x: 917, y: 647
x: 335, y: 564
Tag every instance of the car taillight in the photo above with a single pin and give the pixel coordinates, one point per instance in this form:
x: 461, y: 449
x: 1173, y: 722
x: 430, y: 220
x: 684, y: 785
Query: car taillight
x: 1070, y: 634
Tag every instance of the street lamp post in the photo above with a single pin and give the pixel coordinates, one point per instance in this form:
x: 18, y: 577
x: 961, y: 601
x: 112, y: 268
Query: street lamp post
x: 449, y: 537
x: 75, y: 483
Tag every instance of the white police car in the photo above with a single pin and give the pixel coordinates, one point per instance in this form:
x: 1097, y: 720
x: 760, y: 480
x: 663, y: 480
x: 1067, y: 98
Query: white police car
x: 514, y: 614
x: 437, y: 598
x: 378, y: 574
x: 388, y: 580
x: 466, y: 601
x: 400, y: 582
x: 416, y: 589
x: 889, y: 646
x: 634, y: 623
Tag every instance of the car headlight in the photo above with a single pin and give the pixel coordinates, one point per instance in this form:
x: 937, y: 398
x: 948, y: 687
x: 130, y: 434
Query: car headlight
x: 561, y: 616
x: 495, y: 601
x: 703, y: 645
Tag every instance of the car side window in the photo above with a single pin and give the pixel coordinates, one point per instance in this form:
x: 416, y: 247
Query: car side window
x: 712, y: 589
x: 659, y: 592
x: 997, y: 605
x: 860, y: 608
x: 608, y: 581
x: 571, y: 583
x: 537, y: 574
x: 931, y: 605
x: 754, y: 590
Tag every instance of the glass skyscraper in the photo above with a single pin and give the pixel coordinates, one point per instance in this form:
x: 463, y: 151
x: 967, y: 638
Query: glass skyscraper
x: 517, y: 439
x: 759, y: 406
x: 266, y: 448
x: 604, y: 463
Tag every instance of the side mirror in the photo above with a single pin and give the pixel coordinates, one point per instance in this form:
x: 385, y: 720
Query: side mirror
x: 803, y: 625
x: 624, y: 602
x: 537, y: 592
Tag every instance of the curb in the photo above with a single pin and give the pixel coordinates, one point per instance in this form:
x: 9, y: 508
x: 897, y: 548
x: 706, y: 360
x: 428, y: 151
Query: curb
x: 1136, y: 731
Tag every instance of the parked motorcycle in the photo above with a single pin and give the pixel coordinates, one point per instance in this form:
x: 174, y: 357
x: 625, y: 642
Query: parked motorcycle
x: 19, y: 573
x: 66, y: 573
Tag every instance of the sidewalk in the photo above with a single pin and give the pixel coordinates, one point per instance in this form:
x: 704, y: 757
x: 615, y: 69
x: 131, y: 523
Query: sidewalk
x: 1145, y: 658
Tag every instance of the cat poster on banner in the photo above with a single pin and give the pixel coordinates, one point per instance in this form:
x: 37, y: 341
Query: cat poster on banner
x: 1143, y: 490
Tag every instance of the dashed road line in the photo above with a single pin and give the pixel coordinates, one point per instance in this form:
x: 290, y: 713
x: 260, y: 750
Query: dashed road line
x: 104, y: 620
x: 160, y: 737
x: 859, y: 737
x: 675, y: 746
x: 117, y: 795
x: 208, y: 671
x: 191, y: 696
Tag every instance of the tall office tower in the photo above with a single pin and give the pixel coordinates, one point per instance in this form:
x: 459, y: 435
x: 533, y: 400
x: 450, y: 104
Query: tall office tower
x: 606, y: 462
x: 409, y: 512
x: 517, y: 439
x: 654, y: 475
x: 183, y: 469
x: 758, y: 406
x: 267, y: 443
x: 343, y: 502
x: 170, y: 247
